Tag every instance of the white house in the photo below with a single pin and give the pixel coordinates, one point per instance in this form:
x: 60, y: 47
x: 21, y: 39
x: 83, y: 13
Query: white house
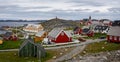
x: 33, y: 28
x: 107, y: 23
x: 101, y: 29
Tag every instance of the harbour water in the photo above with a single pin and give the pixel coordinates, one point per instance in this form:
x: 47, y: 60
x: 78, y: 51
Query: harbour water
x: 16, y: 24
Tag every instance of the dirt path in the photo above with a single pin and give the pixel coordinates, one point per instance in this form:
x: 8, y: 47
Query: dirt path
x: 73, y: 53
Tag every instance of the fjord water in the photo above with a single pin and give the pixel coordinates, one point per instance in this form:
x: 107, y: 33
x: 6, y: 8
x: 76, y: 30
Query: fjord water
x: 16, y: 24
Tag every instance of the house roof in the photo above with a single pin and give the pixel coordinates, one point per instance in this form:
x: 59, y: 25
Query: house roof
x: 35, y: 45
x: 55, y: 32
x: 25, y: 42
x: 85, y: 27
x: 99, y: 27
x: 0, y: 38
x: 96, y: 23
x: 106, y: 22
x: 75, y: 28
x: 68, y: 33
x: 34, y: 25
x: 116, y: 23
x: 7, y: 34
x: 40, y: 33
x: 2, y: 32
x: 114, y: 31
x: 29, y: 40
x: 86, y: 30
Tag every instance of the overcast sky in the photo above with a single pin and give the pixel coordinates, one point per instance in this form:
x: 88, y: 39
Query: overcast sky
x: 66, y: 9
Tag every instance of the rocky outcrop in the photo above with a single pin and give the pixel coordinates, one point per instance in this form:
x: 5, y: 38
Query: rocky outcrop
x: 113, y: 56
x: 56, y: 22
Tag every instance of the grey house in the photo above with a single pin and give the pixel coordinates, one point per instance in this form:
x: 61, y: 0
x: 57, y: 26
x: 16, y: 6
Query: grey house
x: 30, y: 49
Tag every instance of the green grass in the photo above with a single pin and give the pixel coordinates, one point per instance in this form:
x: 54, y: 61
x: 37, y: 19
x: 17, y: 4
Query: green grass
x: 13, y: 57
x: 101, y: 47
x: 48, y: 56
x: 96, y: 36
x: 11, y: 44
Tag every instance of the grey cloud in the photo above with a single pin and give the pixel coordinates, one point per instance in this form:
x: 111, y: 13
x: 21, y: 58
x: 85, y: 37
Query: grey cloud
x: 115, y: 10
x: 86, y: 2
x: 17, y: 11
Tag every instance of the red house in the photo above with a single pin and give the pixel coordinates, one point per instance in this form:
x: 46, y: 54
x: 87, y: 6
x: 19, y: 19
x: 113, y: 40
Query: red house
x: 59, y: 36
x: 10, y: 36
x: 77, y: 30
x: 88, y: 32
x: 113, y: 34
x: 88, y: 23
x: 81, y: 22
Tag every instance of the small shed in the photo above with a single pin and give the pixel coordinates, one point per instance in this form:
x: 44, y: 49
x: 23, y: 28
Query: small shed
x: 31, y: 49
x: 58, y: 35
x: 113, y: 34
x: 40, y: 36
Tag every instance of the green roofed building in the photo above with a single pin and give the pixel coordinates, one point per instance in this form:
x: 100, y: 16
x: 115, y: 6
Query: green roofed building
x: 31, y: 49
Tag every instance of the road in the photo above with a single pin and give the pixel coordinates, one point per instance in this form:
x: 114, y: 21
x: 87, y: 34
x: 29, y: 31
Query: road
x: 71, y: 54
x: 77, y: 50
x: 79, y: 44
x: 57, y: 47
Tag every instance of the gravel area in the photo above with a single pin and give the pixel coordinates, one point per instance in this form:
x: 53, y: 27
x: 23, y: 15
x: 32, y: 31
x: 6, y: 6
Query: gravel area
x: 113, y: 56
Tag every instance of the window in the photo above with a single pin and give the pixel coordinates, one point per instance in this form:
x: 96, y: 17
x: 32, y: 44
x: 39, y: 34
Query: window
x: 110, y: 37
x: 62, y: 33
x: 115, y: 38
x: 99, y: 27
x: 119, y: 38
x: 103, y: 27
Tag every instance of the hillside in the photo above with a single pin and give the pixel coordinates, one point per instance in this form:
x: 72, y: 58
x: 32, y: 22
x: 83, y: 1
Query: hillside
x: 56, y: 22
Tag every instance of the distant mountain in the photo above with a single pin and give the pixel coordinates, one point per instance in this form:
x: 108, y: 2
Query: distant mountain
x: 22, y: 20
x: 59, y: 23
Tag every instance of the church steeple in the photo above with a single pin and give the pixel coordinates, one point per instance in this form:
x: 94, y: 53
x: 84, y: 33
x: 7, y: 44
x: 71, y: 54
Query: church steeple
x: 89, y: 17
x: 56, y: 18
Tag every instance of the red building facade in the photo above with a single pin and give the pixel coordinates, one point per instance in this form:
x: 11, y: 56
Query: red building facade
x: 90, y: 34
x: 59, y: 36
x: 113, y: 34
x: 77, y: 30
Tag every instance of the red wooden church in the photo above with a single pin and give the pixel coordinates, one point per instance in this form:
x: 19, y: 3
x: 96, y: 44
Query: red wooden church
x: 58, y: 35
x: 113, y: 34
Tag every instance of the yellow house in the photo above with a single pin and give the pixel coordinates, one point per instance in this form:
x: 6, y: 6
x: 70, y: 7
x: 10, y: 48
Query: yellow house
x: 40, y: 36
x: 1, y: 42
